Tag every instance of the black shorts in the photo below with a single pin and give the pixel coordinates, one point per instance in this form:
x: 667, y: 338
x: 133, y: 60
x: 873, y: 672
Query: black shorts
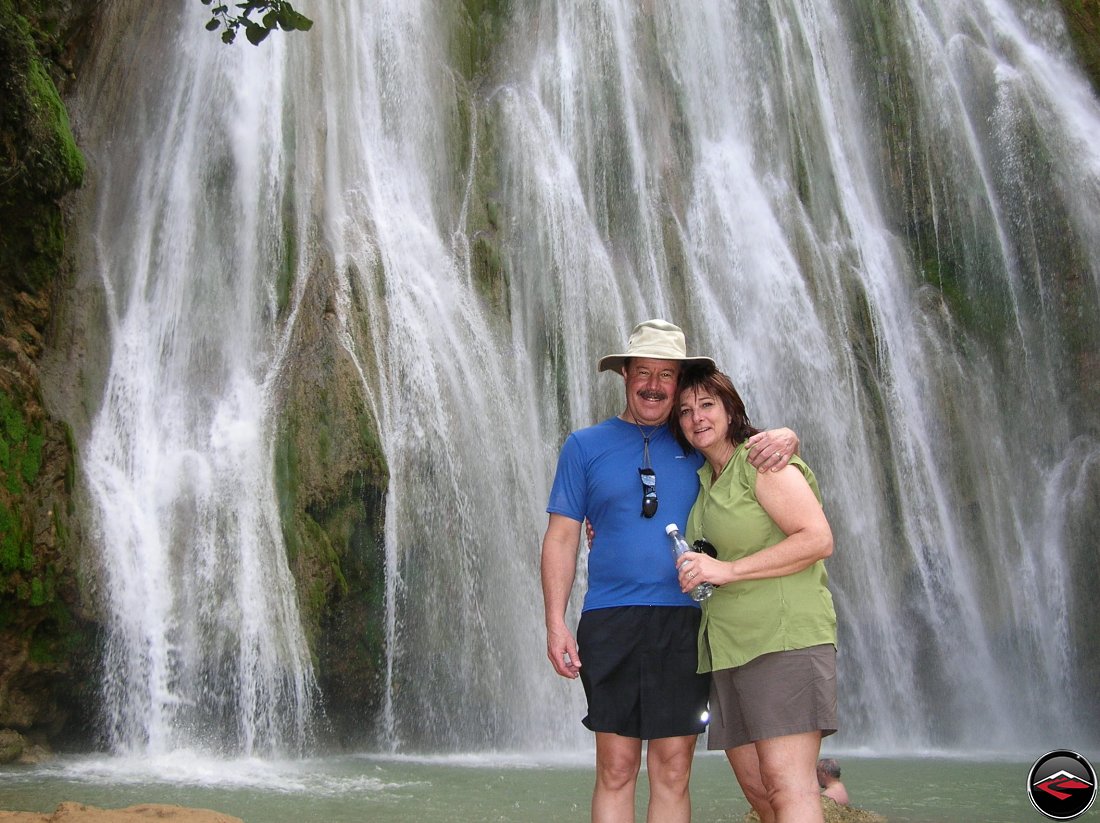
x: 638, y: 669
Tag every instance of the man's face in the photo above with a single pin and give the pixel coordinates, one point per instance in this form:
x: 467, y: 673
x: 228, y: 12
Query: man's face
x: 650, y: 389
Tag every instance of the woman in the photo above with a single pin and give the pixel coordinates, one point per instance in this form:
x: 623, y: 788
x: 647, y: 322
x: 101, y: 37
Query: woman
x: 768, y: 634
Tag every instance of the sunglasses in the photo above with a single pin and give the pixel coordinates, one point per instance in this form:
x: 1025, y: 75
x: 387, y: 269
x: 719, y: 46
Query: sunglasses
x: 649, y: 492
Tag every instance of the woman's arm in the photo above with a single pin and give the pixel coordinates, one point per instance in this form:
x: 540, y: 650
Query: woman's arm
x: 790, y: 502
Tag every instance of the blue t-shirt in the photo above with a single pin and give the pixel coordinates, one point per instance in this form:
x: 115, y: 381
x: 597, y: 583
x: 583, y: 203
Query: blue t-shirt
x: 630, y: 562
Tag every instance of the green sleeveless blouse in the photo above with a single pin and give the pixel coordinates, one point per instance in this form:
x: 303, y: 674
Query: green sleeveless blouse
x: 746, y: 619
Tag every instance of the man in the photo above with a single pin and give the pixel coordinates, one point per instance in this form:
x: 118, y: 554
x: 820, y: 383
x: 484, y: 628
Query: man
x: 828, y: 777
x: 629, y: 478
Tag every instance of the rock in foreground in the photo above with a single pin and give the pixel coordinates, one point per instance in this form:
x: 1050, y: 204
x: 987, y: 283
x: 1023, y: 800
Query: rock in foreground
x: 834, y: 813
x: 79, y: 813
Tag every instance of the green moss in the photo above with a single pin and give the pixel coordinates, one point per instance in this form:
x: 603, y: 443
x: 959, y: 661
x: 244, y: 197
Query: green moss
x: 288, y: 253
x: 479, y: 30
x: 39, y: 162
x: 22, y: 571
x: 483, y: 210
x: 38, y: 593
x: 11, y: 541
x: 61, y: 529
x: 488, y: 272
x: 32, y: 458
x: 20, y: 448
x: 286, y: 488
x: 70, y: 466
x: 56, y: 638
x: 58, y: 166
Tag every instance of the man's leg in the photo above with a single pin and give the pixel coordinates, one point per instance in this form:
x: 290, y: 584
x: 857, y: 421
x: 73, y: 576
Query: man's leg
x: 668, y: 762
x: 617, y: 762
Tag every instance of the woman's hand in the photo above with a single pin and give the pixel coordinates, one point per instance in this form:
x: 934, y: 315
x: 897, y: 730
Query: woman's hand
x: 695, y: 568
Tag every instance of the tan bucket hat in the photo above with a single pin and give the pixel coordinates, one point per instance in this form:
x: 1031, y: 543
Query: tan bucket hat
x: 654, y: 339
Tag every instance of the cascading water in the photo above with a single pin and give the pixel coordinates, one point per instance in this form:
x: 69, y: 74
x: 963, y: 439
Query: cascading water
x: 205, y: 646
x: 755, y: 133
x: 733, y: 167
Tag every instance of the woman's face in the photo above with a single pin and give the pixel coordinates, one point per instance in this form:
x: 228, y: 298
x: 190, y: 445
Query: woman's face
x: 703, y: 419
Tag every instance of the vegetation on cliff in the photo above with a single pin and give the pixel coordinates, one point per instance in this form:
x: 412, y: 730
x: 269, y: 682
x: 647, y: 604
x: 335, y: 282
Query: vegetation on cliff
x: 45, y: 648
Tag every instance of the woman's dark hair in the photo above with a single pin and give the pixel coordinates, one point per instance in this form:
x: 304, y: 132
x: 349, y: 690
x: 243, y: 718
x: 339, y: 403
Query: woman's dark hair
x: 706, y: 378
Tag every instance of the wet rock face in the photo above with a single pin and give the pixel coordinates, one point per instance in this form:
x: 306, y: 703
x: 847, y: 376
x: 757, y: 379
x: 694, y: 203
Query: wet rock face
x: 43, y: 648
x: 11, y: 745
x: 14, y: 748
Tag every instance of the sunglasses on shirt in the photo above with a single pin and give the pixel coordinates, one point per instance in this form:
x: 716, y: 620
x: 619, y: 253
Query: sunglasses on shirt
x: 649, y: 492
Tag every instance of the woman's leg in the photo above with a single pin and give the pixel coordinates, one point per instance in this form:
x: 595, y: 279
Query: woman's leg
x: 746, y: 768
x: 788, y: 773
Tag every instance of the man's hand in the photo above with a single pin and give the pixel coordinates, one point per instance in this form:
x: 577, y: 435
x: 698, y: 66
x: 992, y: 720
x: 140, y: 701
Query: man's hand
x: 772, y: 450
x: 561, y: 649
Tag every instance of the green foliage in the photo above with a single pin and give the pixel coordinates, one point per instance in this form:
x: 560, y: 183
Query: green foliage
x: 20, y: 447
x: 21, y: 444
x: 11, y: 540
x: 272, y: 14
x: 39, y: 159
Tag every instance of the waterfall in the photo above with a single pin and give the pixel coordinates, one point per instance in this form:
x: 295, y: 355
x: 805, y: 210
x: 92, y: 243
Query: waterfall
x: 883, y: 225
x: 204, y: 642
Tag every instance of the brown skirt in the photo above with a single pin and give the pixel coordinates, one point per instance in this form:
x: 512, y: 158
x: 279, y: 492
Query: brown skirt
x: 777, y: 694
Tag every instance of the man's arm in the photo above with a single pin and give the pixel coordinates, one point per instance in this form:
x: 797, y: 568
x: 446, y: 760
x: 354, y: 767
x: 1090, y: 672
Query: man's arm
x: 559, y: 569
x: 771, y: 450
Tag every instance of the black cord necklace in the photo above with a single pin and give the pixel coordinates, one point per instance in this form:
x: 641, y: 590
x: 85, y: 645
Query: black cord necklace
x: 645, y: 440
x: 646, y: 473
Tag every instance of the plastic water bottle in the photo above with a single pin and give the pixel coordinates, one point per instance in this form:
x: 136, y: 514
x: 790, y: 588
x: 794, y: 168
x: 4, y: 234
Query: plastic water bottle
x: 680, y: 547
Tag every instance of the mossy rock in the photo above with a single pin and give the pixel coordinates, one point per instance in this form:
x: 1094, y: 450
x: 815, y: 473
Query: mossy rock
x: 835, y: 813
x: 39, y: 159
x: 12, y: 744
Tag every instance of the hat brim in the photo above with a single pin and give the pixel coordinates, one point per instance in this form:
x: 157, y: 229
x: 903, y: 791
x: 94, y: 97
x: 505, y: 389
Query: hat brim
x: 615, y: 362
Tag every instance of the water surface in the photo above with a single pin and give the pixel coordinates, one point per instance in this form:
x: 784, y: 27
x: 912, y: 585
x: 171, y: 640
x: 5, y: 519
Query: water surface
x: 475, y: 788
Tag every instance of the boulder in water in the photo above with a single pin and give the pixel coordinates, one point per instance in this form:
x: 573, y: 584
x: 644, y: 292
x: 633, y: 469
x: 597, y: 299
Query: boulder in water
x: 834, y: 813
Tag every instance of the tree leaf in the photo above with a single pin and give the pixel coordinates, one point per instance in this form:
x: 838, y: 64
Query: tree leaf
x: 255, y: 33
x: 213, y: 23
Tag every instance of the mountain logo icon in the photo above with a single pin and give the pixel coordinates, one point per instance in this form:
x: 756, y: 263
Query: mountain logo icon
x: 1062, y: 785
